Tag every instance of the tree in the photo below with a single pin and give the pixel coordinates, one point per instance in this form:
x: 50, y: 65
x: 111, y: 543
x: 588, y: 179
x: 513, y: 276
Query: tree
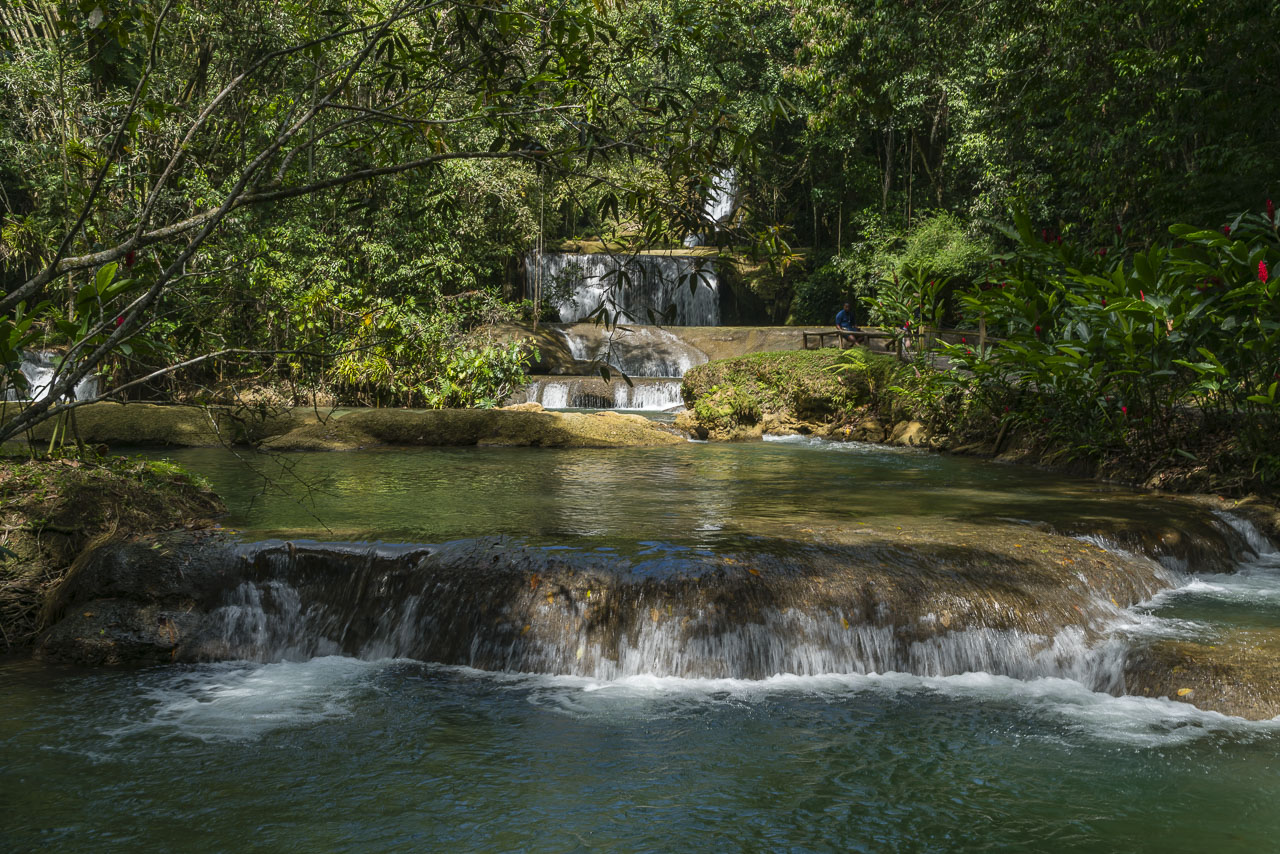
x: 176, y: 120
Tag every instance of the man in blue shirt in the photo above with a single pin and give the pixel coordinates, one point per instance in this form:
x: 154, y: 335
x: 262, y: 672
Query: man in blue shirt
x: 844, y: 320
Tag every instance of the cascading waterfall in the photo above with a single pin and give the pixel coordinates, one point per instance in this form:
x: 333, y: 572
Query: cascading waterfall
x: 674, y: 290
x: 651, y: 359
x: 720, y: 205
x: 640, y: 291
x: 654, y: 394
x: 495, y: 604
x: 40, y: 367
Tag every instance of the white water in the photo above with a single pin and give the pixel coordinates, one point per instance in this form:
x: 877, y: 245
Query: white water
x: 637, y: 351
x: 244, y: 702
x: 645, y: 394
x: 270, y: 621
x: 40, y: 370
x: 720, y: 205
x: 642, y: 289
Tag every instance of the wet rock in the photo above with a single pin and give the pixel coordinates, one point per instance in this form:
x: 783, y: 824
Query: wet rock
x: 1237, y: 673
x: 514, y: 428
x: 687, y: 422
x: 930, y: 607
x: 332, y: 434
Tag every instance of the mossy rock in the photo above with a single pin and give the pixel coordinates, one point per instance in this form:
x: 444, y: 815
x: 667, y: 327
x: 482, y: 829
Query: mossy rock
x: 176, y: 425
x: 814, y: 390
x: 55, y: 509
x: 453, y: 427
x: 1236, y: 673
x: 304, y: 428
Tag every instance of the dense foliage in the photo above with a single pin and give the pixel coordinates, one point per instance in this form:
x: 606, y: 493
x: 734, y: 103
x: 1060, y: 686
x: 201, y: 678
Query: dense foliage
x: 338, y: 199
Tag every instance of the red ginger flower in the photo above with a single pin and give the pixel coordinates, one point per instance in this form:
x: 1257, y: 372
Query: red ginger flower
x: 129, y: 258
x: 1262, y: 272
x: 1271, y: 210
x: 1037, y: 329
x: 1226, y: 229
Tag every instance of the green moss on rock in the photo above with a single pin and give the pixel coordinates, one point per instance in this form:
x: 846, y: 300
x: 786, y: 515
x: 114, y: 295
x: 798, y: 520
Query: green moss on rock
x: 53, y: 510
x: 804, y: 390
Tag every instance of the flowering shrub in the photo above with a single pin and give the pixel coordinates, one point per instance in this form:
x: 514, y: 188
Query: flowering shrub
x: 1105, y: 350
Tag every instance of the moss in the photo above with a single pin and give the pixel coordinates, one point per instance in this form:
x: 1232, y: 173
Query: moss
x: 52, y: 510
x: 809, y: 386
x: 450, y: 427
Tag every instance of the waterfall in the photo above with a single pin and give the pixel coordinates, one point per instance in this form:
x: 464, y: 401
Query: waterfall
x: 720, y: 205
x: 637, y: 351
x: 651, y: 358
x: 675, y: 290
x: 498, y: 604
x: 39, y: 368
x: 654, y: 394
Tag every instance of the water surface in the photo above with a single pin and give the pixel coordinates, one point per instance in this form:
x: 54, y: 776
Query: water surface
x: 338, y: 754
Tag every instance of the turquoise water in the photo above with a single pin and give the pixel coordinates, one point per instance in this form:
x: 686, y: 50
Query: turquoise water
x: 338, y: 754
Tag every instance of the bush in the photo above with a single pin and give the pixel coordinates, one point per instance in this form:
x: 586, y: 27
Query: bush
x: 1138, y: 355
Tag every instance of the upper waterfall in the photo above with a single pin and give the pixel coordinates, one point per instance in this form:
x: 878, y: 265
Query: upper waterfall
x: 720, y: 205
x: 674, y: 290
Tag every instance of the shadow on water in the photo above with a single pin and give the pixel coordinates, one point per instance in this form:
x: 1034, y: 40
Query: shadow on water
x: 707, y: 496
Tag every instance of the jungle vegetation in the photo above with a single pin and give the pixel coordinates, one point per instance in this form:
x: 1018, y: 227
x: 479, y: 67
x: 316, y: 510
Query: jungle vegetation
x: 336, y: 197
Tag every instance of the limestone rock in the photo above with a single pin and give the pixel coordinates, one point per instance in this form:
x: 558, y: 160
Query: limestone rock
x: 909, y: 433
x: 1235, y: 674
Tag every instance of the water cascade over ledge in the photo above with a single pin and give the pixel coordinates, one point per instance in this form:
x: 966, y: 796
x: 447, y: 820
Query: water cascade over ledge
x: 39, y: 368
x: 648, y: 362
x: 497, y: 604
x: 649, y: 288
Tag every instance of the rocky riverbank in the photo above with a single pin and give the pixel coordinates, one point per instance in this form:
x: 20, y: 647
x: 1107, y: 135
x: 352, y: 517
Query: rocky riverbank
x: 55, y: 511
x: 315, y: 429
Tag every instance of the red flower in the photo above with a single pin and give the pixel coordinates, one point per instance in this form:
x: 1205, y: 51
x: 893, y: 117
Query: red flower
x: 1119, y: 230
x: 1142, y: 296
x: 1103, y: 252
x: 129, y: 258
x: 1124, y: 410
x: 963, y: 340
x: 1271, y: 210
x: 1104, y: 302
x: 1226, y: 229
x: 120, y: 320
x: 1037, y: 329
x: 1044, y: 235
x: 1262, y: 272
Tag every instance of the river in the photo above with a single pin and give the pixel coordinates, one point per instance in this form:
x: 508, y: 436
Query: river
x: 345, y: 754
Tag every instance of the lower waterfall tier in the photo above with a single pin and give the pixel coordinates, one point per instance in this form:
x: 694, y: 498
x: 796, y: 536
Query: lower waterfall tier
x: 496, y: 604
x: 652, y: 394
